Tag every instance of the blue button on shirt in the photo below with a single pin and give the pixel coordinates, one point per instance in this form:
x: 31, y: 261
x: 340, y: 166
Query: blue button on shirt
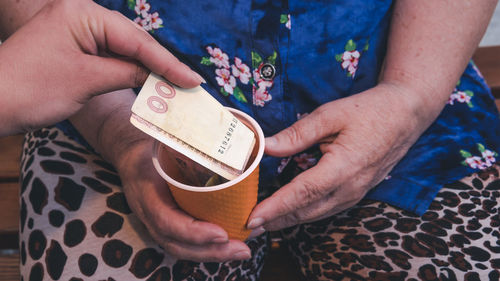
x: 321, y: 51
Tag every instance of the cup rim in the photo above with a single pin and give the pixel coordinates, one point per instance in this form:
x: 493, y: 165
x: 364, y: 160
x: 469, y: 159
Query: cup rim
x: 255, y: 163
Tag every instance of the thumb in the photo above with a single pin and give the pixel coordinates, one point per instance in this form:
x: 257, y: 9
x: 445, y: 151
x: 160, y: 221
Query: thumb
x: 312, y: 129
x: 123, y: 37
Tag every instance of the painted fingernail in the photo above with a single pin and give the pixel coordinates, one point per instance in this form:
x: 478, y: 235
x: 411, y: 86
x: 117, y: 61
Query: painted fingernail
x: 254, y: 223
x: 198, y: 76
x: 219, y: 240
x: 243, y: 255
x: 256, y: 232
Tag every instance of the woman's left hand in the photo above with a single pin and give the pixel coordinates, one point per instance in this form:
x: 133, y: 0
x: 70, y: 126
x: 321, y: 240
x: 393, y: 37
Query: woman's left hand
x: 362, y: 137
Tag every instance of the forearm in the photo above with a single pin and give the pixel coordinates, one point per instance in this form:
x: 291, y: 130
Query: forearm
x: 104, y: 123
x: 429, y: 46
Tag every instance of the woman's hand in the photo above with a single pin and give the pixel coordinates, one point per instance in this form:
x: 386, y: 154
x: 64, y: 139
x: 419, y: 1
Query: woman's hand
x: 362, y: 137
x: 70, y: 51
x: 178, y: 233
x: 104, y: 123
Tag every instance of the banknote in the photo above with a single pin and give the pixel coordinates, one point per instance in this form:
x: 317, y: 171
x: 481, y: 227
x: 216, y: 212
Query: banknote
x: 195, y: 124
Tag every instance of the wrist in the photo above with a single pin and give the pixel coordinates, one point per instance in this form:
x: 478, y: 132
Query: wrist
x: 117, y: 137
x: 423, y: 101
x: 104, y: 123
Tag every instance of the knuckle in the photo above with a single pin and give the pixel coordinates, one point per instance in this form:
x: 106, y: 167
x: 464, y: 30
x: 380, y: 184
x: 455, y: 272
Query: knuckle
x: 323, y: 117
x: 285, y: 221
x: 323, y: 113
x: 294, y: 134
x: 173, y: 249
x: 288, y: 204
x: 308, y: 191
x: 166, y: 72
x: 162, y: 227
x: 137, y: 53
x: 294, y: 218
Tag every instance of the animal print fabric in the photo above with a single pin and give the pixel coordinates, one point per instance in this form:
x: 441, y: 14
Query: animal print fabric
x: 76, y: 225
x: 456, y: 239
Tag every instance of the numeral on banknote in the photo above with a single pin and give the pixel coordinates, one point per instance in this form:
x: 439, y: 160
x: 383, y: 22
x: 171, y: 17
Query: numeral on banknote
x: 164, y: 90
x: 195, y: 124
x: 227, y: 137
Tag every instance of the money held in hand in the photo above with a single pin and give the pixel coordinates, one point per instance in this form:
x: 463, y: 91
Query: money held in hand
x: 194, y: 124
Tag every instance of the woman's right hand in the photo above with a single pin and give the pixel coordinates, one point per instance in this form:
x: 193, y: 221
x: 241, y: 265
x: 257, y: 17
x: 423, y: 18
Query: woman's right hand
x: 70, y: 51
x: 177, y: 232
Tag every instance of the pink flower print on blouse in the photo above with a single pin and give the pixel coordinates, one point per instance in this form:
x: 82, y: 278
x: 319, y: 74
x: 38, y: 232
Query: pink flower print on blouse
x: 305, y: 161
x: 225, y: 79
x: 349, y: 59
x: 300, y: 163
x: 141, y: 7
x: 487, y: 158
x: 144, y: 23
x: 260, y: 86
x: 461, y: 97
x: 156, y: 21
x: 475, y: 162
x: 148, y: 21
x: 260, y: 93
x: 219, y: 58
x: 226, y: 75
x: 284, y: 162
x: 241, y: 70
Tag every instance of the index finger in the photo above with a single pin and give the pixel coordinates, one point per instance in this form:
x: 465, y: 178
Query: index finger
x: 304, y: 189
x: 171, y: 222
x: 122, y: 36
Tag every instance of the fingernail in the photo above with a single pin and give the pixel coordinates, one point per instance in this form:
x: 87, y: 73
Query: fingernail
x: 219, y: 240
x: 242, y: 255
x: 198, y: 76
x: 256, y: 232
x: 254, y: 223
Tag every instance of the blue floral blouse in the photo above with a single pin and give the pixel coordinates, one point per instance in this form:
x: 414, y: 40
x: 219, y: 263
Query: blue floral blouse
x: 278, y: 60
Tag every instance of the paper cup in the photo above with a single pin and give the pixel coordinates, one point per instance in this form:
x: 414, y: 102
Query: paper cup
x: 228, y: 204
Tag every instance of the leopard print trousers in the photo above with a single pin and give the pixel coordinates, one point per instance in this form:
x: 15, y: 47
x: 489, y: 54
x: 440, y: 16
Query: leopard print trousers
x: 76, y: 225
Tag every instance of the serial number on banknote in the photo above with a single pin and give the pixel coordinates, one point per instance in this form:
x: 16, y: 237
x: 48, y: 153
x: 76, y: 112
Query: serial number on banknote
x: 227, y: 137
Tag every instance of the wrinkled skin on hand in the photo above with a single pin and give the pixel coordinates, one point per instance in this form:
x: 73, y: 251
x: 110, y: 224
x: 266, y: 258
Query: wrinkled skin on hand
x: 362, y: 137
x: 178, y: 233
